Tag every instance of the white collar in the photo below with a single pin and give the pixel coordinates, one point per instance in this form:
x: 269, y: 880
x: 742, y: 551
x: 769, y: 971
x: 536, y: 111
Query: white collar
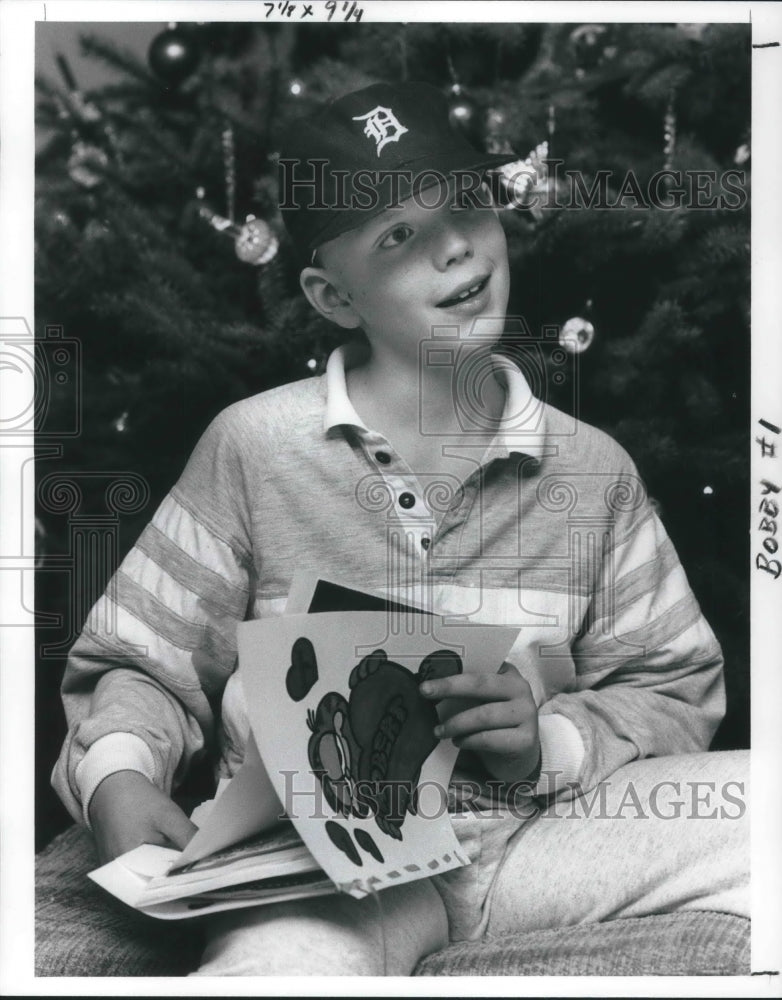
x: 522, y: 425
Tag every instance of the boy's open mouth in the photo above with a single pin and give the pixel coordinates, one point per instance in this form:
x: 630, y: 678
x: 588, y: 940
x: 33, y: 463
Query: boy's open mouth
x: 464, y: 293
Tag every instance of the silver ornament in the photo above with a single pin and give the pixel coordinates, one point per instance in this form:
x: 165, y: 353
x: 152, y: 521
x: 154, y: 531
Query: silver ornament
x: 256, y: 243
x: 576, y: 335
x: 86, y: 164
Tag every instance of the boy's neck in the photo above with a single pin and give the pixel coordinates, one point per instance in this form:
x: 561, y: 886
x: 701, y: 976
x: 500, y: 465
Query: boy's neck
x: 388, y: 388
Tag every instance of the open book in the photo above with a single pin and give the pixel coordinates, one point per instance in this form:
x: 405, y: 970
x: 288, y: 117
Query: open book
x: 344, y: 786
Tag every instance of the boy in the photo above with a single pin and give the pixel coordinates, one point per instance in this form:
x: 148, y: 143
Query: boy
x: 420, y: 464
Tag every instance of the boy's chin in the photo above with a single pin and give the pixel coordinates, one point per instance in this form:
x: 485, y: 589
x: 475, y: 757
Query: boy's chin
x: 478, y: 330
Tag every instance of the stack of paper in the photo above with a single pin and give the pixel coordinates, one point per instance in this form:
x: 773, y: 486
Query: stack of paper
x: 344, y: 786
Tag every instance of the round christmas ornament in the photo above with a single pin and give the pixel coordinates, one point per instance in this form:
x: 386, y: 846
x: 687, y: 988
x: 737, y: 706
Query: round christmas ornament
x: 254, y: 240
x: 463, y: 113
x: 91, y: 124
x: 576, y: 335
x: 256, y: 243
x: 173, y: 55
x: 87, y: 164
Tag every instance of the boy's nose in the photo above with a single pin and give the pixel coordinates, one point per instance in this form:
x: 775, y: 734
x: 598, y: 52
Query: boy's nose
x: 453, y: 246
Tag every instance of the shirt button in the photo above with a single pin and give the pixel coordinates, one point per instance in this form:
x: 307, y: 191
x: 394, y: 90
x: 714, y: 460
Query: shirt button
x: 407, y: 500
x: 426, y: 542
x: 383, y: 457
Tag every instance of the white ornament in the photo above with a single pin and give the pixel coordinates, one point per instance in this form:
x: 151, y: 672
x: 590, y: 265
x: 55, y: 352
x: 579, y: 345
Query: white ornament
x: 87, y: 164
x: 576, y: 335
x: 256, y: 243
x: 524, y: 179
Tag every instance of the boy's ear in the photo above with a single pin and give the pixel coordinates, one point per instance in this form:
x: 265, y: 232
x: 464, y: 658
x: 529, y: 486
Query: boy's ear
x: 330, y: 302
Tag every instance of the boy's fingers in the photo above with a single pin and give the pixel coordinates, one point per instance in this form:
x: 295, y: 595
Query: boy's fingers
x: 152, y: 835
x: 120, y: 842
x: 507, y: 742
x: 177, y: 828
x: 484, y: 687
x: 485, y: 717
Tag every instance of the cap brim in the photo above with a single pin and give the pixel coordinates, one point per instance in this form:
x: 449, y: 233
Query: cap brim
x: 454, y: 162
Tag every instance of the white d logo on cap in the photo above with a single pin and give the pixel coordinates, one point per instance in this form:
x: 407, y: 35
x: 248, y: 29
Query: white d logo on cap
x: 382, y: 125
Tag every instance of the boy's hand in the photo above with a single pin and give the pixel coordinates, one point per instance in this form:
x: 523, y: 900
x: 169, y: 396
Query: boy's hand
x: 127, y: 810
x: 495, y: 716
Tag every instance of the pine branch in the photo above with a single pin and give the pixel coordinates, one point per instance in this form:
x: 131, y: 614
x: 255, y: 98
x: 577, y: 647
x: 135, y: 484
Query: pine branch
x: 118, y: 58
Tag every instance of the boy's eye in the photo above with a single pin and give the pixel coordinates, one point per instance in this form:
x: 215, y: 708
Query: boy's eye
x: 395, y: 236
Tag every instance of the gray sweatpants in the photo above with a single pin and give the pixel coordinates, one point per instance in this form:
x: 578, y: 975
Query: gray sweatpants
x: 663, y: 834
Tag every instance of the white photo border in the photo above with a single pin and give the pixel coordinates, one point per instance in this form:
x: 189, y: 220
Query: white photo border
x: 17, y: 38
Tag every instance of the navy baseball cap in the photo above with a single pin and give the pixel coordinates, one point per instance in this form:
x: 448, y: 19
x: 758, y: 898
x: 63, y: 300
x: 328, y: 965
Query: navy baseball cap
x: 349, y: 160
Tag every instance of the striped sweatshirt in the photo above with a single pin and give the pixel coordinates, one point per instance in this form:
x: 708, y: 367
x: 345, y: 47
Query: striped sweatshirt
x: 548, y: 529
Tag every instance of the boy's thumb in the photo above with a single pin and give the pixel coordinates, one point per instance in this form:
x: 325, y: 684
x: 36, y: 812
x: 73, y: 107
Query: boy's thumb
x: 178, y: 828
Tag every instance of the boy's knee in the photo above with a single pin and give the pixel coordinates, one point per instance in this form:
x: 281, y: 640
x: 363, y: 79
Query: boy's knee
x: 331, y: 936
x: 288, y: 939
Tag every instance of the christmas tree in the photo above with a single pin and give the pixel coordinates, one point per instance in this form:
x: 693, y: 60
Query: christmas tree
x: 182, y: 305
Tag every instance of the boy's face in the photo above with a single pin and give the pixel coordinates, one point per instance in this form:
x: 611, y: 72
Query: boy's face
x: 414, y: 268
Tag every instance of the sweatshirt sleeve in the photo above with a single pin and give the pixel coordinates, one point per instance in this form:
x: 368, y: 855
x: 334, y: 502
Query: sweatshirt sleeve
x: 649, y: 680
x: 144, y: 678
